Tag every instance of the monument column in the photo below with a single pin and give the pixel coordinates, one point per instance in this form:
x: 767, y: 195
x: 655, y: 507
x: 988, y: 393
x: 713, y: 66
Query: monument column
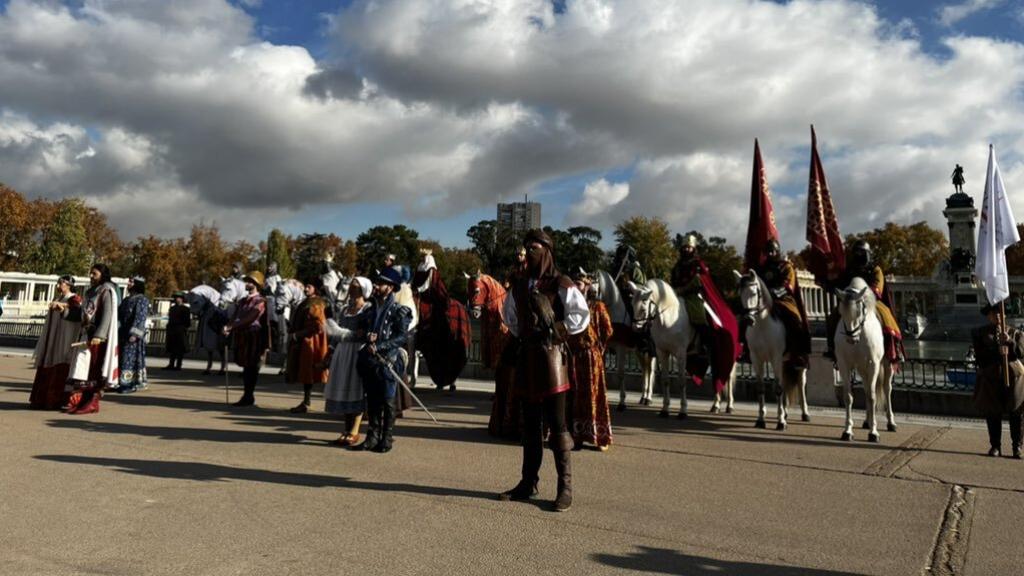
x: 960, y: 215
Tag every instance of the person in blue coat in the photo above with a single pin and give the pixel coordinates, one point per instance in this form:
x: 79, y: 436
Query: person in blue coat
x: 382, y: 359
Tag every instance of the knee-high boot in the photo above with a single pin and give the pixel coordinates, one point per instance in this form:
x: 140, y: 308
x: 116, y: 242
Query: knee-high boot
x: 374, y: 407
x: 561, y: 447
x: 533, y: 455
x: 1016, y: 432
x: 390, y: 411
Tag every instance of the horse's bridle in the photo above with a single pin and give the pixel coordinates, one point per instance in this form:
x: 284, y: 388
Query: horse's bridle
x: 853, y: 334
x: 752, y: 313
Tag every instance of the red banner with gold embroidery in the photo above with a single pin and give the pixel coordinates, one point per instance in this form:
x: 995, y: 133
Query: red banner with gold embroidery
x: 761, y: 225
x: 826, y: 259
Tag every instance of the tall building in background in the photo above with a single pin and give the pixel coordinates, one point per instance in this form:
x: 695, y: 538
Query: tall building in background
x: 519, y: 216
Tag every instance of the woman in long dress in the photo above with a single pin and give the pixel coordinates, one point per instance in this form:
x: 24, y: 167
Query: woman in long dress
x: 131, y: 317
x: 179, y: 318
x: 588, y: 399
x: 53, y: 350
x: 344, y: 391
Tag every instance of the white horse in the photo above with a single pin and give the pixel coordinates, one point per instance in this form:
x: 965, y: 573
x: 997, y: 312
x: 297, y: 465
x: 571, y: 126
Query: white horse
x: 860, y: 346
x: 623, y: 339
x: 766, y: 340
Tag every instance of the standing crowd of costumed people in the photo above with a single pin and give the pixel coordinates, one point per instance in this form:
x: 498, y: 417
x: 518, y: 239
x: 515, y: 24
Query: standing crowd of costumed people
x: 546, y: 336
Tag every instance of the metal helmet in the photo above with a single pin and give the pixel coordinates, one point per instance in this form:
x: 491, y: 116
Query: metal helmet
x: 272, y: 269
x: 860, y: 253
x: 772, y: 249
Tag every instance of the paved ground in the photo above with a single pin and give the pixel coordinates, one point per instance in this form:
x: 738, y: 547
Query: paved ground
x: 173, y: 481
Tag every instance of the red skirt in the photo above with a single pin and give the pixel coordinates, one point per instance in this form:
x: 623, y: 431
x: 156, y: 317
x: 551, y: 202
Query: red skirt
x: 48, y: 387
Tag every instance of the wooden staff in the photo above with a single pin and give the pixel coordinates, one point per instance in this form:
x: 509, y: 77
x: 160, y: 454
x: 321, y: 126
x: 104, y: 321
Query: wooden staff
x: 1004, y: 349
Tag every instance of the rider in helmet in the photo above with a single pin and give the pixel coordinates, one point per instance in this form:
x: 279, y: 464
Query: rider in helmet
x: 860, y: 264
x: 779, y: 276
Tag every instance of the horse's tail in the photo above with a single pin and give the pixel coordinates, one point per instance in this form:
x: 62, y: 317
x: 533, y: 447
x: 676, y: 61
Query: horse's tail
x: 791, y: 384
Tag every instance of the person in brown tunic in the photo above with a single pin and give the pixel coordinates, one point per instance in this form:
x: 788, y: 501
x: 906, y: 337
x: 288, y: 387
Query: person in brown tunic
x: 251, y: 331
x: 779, y: 276
x: 994, y: 394
x: 307, y: 344
x: 544, y: 309
x: 588, y: 399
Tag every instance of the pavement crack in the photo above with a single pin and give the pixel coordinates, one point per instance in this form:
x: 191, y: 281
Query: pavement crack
x: 891, y: 462
x: 950, y: 550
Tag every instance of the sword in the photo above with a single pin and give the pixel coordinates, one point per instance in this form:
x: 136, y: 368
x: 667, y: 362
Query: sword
x: 394, y: 374
x: 711, y: 313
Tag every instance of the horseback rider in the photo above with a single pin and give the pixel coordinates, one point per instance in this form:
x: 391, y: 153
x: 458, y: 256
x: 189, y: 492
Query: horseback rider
x: 779, y: 277
x: 710, y: 317
x: 860, y: 264
x: 628, y: 270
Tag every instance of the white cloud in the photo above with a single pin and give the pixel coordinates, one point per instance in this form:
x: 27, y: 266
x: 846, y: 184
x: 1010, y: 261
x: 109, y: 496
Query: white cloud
x: 442, y: 106
x: 951, y: 14
x: 598, y: 197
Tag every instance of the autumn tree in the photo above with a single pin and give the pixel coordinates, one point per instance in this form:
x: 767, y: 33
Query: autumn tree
x: 104, y: 243
x: 379, y: 241
x: 247, y: 253
x: 63, y: 247
x: 453, y: 264
x: 206, y: 257
x: 16, y: 229
x: 279, y: 250
x: 914, y: 250
x: 346, y: 259
x: 650, y: 237
x: 310, y: 251
x: 162, y: 263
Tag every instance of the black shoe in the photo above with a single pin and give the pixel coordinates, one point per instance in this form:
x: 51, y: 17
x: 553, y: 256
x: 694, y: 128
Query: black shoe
x: 169, y: 367
x: 245, y: 401
x: 523, y: 491
x: 383, y: 448
x: 994, y: 452
x: 302, y: 408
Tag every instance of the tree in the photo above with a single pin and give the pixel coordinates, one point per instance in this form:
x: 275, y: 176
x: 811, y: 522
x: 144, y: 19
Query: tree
x: 653, y: 244
x: 64, y: 248
x: 379, y: 241
x: 453, y: 264
x: 914, y: 250
x: 205, y: 255
x: 310, y: 250
x: 246, y: 253
x: 721, y: 259
x: 104, y: 244
x: 162, y: 263
x: 577, y: 248
x: 279, y: 250
x: 15, y: 229
x: 1015, y: 255
x: 495, y: 247
x: 346, y: 259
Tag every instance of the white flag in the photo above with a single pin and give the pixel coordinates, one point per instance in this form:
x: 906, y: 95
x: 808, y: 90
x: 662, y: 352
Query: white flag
x: 996, y: 232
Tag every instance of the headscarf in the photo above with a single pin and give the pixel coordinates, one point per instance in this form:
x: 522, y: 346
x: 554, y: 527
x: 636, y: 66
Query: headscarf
x: 365, y: 285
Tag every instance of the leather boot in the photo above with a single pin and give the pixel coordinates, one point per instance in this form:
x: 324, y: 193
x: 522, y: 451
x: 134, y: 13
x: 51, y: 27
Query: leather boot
x: 533, y: 455
x: 387, y: 440
x: 373, y: 431
x: 1016, y: 433
x: 561, y: 447
x: 90, y: 402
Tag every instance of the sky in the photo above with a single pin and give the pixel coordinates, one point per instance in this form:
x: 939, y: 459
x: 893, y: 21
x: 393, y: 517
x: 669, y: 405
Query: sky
x: 335, y: 116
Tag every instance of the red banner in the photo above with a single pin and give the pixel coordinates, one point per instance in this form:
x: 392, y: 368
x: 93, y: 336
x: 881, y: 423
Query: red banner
x: 761, y: 225
x: 826, y: 258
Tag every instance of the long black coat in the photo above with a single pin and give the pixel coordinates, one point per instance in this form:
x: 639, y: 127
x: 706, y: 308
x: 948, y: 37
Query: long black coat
x: 991, y: 394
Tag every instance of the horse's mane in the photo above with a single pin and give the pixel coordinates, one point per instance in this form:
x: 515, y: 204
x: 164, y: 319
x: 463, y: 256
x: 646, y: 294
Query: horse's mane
x: 612, y: 298
x: 662, y: 293
x: 494, y: 287
x: 858, y: 284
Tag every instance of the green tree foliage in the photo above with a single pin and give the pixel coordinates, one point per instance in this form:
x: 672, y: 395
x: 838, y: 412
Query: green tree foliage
x: 310, y: 252
x: 379, y: 241
x: 279, y: 250
x: 914, y: 250
x: 650, y: 237
x: 578, y: 247
x: 495, y: 247
x: 63, y: 248
x: 720, y: 257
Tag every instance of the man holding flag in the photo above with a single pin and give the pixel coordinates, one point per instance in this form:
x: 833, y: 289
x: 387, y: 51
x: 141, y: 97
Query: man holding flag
x: 764, y: 255
x: 999, y: 387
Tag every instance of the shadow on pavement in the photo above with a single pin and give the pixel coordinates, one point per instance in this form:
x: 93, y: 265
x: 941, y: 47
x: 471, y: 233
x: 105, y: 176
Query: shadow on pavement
x: 177, y: 433
x: 216, y: 473
x: 663, y: 561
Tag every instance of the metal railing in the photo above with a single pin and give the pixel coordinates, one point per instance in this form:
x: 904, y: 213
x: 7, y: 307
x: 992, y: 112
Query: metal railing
x: 914, y: 374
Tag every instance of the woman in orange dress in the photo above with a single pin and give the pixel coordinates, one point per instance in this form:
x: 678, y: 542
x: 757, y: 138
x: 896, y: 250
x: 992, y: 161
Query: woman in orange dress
x: 309, y: 340
x: 588, y: 405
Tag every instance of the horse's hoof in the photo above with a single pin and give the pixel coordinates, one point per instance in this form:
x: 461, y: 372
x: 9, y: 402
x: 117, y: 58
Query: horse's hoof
x: 805, y: 417
x: 846, y: 437
x: 622, y: 407
x: 728, y: 410
x: 760, y: 424
x: 682, y: 416
x: 780, y: 426
x: 873, y: 438
x: 645, y: 401
x: 865, y: 425
x: 891, y: 427
x: 663, y: 414
x: 716, y: 410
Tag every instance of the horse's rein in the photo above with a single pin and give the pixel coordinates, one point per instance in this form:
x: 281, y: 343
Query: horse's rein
x: 854, y: 333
